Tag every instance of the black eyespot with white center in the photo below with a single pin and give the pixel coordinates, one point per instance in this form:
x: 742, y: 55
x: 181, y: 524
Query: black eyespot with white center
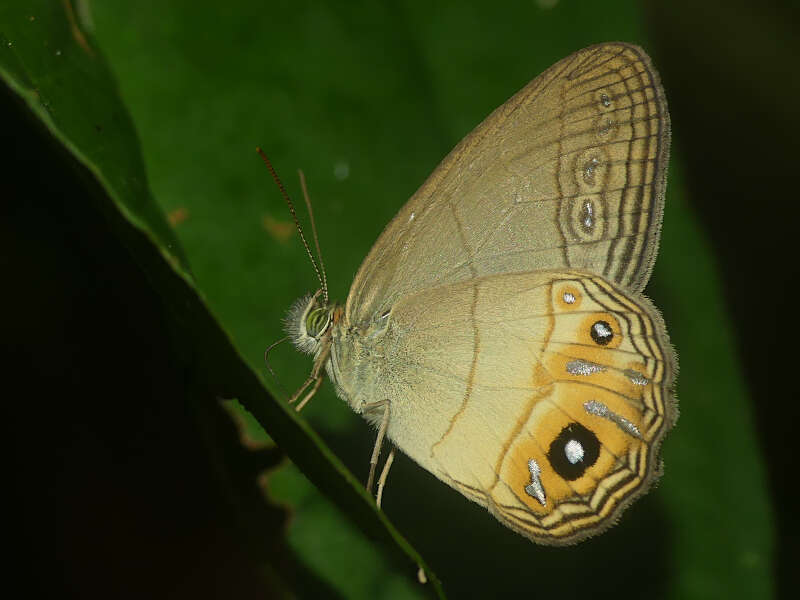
x: 573, y: 451
x: 601, y: 332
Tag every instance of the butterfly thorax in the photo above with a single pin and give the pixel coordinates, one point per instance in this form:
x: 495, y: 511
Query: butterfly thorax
x: 358, y: 364
x: 344, y: 350
x: 350, y: 353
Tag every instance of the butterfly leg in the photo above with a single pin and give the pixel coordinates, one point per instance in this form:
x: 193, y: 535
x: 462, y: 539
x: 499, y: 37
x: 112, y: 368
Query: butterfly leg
x: 301, y: 389
x: 310, y: 394
x: 315, y: 378
x: 384, y: 474
x: 373, y: 461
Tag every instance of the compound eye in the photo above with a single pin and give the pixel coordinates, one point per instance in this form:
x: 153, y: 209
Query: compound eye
x: 317, y: 321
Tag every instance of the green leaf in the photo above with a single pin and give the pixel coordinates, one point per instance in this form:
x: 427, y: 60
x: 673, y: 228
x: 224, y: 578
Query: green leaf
x: 51, y: 63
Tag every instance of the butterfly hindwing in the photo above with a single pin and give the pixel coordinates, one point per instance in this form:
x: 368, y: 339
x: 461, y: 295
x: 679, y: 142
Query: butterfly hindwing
x: 498, y: 383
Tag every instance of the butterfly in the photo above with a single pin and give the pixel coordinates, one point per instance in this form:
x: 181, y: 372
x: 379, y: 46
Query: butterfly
x: 496, y: 332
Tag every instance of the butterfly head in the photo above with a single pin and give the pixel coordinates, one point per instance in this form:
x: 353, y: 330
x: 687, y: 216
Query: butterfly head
x: 308, y: 321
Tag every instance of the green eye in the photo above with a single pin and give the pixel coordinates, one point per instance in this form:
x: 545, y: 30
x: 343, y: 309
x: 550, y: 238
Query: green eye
x: 317, y: 321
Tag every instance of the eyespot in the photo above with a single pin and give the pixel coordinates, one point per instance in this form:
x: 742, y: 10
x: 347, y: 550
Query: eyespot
x: 593, y: 407
x: 590, y: 168
x: 535, y: 489
x: 587, y: 216
x: 604, y: 99
x: 568, y: 297
x: 601, y: 333
x: 605, y: 127
x: 579, y: 366
x: 636, y: 377
x: 573, y: 451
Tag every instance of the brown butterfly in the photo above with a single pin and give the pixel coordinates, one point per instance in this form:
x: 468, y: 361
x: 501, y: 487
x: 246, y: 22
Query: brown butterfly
x: 497, y: 333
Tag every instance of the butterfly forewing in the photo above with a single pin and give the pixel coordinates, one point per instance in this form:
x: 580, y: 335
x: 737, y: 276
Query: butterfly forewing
x: 568, y: 173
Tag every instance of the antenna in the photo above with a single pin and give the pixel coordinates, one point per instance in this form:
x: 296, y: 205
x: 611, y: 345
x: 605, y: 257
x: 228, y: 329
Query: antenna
x: 314, y: 231
x: 320, y: 274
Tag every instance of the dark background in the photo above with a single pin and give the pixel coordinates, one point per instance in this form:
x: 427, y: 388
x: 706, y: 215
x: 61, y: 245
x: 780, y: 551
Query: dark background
x: 85, y: 343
